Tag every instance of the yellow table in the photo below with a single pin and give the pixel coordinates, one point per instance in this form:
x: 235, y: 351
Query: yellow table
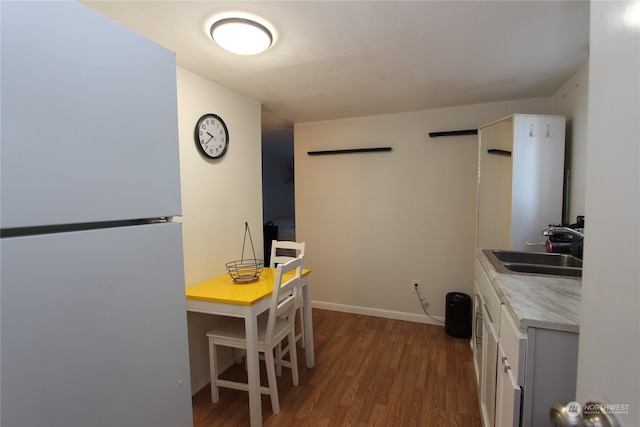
x: 223, y: 297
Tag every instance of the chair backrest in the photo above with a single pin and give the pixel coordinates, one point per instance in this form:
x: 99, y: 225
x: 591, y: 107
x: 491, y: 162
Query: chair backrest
x: 283, y: 299
x: 284, y: 250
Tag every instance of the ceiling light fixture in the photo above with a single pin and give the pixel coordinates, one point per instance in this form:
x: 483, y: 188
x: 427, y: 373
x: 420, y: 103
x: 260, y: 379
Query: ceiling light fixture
x: 241, y: 36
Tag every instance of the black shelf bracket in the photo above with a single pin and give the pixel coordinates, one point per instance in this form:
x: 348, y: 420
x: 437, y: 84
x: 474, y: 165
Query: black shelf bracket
x: 453, y: 133
x: 499, y: 152
x: 348, y: 151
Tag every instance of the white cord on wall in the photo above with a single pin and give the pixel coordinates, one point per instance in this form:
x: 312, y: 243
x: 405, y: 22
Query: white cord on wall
x: 424, y: 303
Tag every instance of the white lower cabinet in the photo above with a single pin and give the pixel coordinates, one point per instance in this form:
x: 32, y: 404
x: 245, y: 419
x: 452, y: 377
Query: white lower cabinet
x: 511, y: 362
x: 520, y: 373
x: 487, y: 318
x: 508, y: 394
x: 488, y: 403
x: 535, y: 370
x: 551, y: 373
x: 477, y: 337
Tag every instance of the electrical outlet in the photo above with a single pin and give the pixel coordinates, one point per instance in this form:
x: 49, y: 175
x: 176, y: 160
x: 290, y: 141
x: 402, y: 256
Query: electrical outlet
x: 415, y: 285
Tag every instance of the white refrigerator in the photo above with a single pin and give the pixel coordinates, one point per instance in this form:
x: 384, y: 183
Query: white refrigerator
x: 93, y: 327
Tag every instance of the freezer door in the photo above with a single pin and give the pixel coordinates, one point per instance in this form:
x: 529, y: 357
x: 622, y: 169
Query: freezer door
x: 94, y: 329
x: 89, y: 119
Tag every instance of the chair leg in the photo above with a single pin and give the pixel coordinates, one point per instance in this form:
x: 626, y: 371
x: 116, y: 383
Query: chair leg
x: 273, y: 384
x: 213, y: 371
x: 293, y: 357
x: 301, y: 317
x: 278, y: 357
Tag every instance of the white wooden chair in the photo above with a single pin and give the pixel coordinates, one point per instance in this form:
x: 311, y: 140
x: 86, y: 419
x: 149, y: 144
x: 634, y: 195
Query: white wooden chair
x: 283, y: 251
x: 279, y: 323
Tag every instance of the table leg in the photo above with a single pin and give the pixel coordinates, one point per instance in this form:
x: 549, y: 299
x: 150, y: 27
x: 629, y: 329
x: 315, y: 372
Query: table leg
x: 253, y: 370
x: 308, y: 324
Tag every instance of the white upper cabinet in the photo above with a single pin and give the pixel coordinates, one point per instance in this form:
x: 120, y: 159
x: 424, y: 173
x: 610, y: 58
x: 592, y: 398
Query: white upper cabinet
x: 520, y: 180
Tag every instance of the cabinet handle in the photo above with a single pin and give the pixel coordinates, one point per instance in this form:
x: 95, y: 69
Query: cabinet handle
x: 478, y: 325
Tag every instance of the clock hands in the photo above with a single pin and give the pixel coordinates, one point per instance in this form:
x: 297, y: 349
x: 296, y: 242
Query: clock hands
x: 206, y: 144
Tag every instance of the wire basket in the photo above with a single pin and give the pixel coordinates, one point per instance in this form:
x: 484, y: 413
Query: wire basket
x: 245, y: 270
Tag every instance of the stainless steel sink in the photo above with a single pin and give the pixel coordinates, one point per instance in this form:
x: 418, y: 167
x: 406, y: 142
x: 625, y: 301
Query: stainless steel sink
x: 544, y: 269
x: 538, y: 258
x: 549, y: 264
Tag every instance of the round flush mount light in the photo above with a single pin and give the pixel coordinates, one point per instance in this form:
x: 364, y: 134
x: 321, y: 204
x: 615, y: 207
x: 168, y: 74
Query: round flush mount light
x: 242, y: 36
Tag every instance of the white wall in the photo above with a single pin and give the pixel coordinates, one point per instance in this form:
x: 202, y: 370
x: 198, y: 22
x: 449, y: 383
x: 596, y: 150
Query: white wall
x: 571, y: 101
x: 218, y: 196
x: 609, y: 358
x: 373, y: 222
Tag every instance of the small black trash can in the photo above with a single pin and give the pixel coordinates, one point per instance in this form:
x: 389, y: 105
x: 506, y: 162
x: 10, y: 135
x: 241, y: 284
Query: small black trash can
x: 457, y: 320
x: 270, y: 234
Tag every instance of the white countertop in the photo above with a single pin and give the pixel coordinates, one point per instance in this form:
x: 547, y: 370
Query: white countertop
x: 537, y: 301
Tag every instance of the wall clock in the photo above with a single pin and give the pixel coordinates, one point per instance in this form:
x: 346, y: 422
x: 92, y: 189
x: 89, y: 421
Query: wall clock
x: 212, y: 136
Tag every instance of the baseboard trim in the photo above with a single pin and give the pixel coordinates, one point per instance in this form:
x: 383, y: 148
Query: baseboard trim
x: 196, y: 386
x: 377, y: 312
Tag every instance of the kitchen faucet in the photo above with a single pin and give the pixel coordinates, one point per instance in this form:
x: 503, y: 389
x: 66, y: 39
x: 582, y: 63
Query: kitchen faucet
x: 576, y: 239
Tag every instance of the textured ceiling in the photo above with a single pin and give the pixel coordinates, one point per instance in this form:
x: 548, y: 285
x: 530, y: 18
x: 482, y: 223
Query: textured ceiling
x: 337, y: 59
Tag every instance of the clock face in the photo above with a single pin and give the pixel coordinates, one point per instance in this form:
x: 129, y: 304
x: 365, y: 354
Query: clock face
x: 212, y: 136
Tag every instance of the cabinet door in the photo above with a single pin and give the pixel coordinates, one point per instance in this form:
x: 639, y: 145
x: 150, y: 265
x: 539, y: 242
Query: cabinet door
x: 508, y: 394
x: 513, y: 343
x: 490, y: 347
x: 494, y: 186
x: 477, y: 339
x: 538, y: 177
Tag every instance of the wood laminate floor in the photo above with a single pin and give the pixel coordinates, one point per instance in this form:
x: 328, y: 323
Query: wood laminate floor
x: 369, y: 371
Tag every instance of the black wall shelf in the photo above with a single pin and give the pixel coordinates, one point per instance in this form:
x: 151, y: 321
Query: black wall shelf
x: 348, y: 151
x: 453, y: 133
x: 499, y: 152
